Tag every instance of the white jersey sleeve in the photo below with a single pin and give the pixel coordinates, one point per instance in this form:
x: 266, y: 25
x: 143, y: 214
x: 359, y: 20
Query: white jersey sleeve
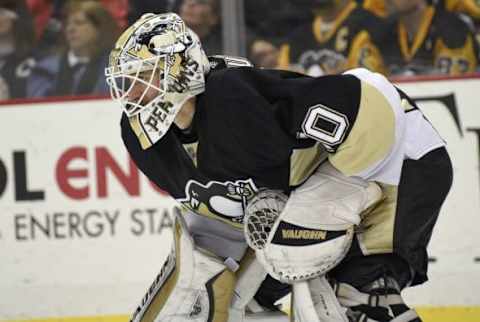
x: 421, y: 136
x: 414, y: 134
x: 388, y: 168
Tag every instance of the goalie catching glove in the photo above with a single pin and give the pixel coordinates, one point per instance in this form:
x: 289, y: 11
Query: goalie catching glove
x: 305, y: 235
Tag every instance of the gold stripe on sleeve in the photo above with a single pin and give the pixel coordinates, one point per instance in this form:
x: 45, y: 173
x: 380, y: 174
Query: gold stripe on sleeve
x: 379, y: 222
x: 304, y: 161
x: 371, y: 137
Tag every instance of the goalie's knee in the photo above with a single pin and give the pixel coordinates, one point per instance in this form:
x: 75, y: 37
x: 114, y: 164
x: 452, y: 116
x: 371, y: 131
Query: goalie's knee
x: 192, y: 284
x: 379, y: 300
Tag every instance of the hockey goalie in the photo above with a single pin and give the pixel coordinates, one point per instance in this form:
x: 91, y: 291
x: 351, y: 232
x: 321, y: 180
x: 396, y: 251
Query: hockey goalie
x: 324, y: 188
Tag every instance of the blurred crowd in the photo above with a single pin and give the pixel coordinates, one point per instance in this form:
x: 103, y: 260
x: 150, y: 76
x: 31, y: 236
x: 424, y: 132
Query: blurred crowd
x: 60, y: 47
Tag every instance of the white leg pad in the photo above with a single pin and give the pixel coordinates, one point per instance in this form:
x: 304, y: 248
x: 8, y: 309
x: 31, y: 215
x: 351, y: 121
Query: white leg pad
x: 315, y: 301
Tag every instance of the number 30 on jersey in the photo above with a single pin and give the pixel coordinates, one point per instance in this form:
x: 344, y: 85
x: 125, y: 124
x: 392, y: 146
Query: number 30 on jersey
x: 326, y: 126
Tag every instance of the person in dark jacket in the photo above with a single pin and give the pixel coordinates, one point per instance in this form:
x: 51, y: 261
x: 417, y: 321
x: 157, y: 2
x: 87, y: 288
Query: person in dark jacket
x: 77, y: 69
x: 16, y: 43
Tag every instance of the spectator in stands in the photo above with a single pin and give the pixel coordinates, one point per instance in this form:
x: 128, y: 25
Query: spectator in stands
x: 267, y: 24
x: 89, y: 31
x: 203, y: 17
x: 48, y: 21
x: 468, y: 10
x: 271, y: 22
x: 138, y: 7
x: 16, y: 42
x: 377, y: 7
x: 119, y: 10
x: 48, y: 27
x: 429, y: 41
x: 263, y: 53
x: 468, y: 7
x: 342, y: 35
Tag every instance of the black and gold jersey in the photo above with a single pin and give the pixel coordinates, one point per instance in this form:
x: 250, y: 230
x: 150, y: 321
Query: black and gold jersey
x: 377, y: 7
x: 256, y: 128
x: 325, y: 48
x: 443, y: 44
x: 468, y: 7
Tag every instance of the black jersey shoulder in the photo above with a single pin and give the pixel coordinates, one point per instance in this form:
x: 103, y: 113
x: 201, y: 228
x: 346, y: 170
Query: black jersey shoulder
x: 247, y: 82
x: 279, y: 84
x: 279, y: 97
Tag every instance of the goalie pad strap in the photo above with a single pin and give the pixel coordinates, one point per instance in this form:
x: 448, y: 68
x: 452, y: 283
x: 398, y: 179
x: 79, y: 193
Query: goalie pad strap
x: 349, y: 296
x: 364, y: 318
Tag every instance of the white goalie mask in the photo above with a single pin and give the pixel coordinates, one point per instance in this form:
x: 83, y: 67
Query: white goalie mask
x: 156, y: 65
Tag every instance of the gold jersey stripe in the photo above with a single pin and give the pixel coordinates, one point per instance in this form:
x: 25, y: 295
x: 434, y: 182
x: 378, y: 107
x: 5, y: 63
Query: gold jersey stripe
x: 371, y: 137
x: 191, y: 149
x: 408, y: 52
x: 341, y: 17
x: 304, y: 161
x: 375, y: 234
